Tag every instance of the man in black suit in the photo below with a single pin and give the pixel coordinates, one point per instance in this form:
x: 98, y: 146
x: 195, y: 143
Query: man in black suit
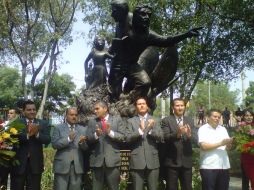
x: 143, y: 133
x: 105, y: 132
x: 29, y: 153
x: 178, y: 133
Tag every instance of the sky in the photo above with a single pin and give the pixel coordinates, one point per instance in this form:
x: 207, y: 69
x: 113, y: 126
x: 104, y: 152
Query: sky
x: 76, y: 53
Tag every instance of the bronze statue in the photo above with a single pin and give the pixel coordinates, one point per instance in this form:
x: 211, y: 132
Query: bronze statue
x: 123, y: 19
x: 128, y: 49
x: 135, y: 58
x: 96, y: 75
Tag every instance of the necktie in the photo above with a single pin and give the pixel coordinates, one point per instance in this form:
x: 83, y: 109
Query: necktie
x: 179, y: 120
x: 103, y: 123
x: 142, y: 123
x: 72, y: 128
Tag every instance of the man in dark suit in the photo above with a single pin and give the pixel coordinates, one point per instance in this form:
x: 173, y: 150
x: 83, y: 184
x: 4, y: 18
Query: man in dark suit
x: 30, y: 150
x: 69, y: 139
x: 143, y: 134
x: 105, y: 132
x: 5, y: 170
x: 178, y: 133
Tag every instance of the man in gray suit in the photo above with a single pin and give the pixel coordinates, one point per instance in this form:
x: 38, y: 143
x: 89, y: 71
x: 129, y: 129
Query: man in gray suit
x: 143, y: 134
x: 69, y: 139
x: 105, y: 133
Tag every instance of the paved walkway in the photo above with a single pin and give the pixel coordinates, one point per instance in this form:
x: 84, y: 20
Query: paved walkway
x: 235, y: 183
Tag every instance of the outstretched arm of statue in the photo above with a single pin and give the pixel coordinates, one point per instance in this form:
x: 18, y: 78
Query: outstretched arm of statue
x: 165, y: 41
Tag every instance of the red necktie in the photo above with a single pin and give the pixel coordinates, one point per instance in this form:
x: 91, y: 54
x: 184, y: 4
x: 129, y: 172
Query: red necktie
x: 103, y: 123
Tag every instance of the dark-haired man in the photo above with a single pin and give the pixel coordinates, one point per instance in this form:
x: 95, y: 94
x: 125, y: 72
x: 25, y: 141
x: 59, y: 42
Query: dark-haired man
x: 69, y: 139
x: 179, y: 132
x: 29, y: 153
x: 143, y: 135
x: 105, y: 132
x: 214, y: 162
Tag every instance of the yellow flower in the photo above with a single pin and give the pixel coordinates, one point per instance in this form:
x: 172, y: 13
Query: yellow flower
x: 6, y: 135
x: 13, y: 131
x: 1, y: 139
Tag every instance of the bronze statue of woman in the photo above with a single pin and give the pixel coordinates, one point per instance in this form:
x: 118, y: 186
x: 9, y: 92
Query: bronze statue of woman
x: 97, y: 74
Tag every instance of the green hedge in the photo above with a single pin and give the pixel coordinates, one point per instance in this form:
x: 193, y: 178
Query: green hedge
x: 47, y: 177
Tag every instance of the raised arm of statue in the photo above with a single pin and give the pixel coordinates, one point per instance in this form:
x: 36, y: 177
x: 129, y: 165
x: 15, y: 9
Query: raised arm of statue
x: 165, y: 41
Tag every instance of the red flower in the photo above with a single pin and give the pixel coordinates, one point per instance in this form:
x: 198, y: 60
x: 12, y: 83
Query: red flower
x: 247, y: 146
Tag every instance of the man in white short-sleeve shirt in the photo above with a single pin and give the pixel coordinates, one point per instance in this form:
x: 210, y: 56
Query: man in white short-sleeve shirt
x: 214, y: 162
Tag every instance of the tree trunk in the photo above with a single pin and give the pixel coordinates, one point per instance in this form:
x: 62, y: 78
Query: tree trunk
x: 43, y: 102
x: 23, y: 82
x: 51, y: 71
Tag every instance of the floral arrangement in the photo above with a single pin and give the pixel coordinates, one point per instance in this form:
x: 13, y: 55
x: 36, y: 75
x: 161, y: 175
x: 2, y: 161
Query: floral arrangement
x: 9, y: 139
x: 244, y: 138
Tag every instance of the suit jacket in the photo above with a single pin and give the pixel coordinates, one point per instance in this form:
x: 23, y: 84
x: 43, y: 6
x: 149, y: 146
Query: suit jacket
x: 144, y: 149
x: 32, y: 147
x: 68, y: 151
x: 105, y: 148
x: 177, y: 152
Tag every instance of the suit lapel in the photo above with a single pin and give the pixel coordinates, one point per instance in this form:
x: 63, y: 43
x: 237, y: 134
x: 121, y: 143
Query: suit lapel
x: 137, y: 121
x: 110, y: 121
x: 174, y: 123
x: 98, y: 122
x: 66, y: 129
x: 184, y: 120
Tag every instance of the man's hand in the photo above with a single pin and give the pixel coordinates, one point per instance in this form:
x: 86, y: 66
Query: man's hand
x: 108, y: 128
x: 82, y: 139
x: 226, y: 142
x: 34, y: 130
x: 151, y: 124
x: 194, y: 31
x: 180, y: 131
x: 188, y: 130
x: 71, y: 135
x: 98, y: 131
x: 142, y: 125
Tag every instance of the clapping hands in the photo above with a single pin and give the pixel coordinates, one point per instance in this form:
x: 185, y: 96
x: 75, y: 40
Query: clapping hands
x: 151, y: 124
x: 72, y: 135
x: 34, y: 129
x: 98, y: 131
x: 82, y: 139
x: 184, y: 129
x: 108, y: 128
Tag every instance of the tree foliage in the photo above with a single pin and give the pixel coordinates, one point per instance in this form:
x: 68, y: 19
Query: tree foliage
x: 220, y: 96
x: 10, y: 81
x: 249, y: 99
x: 223, y: 49
x: 59, y: 94
x: 36, y: 31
